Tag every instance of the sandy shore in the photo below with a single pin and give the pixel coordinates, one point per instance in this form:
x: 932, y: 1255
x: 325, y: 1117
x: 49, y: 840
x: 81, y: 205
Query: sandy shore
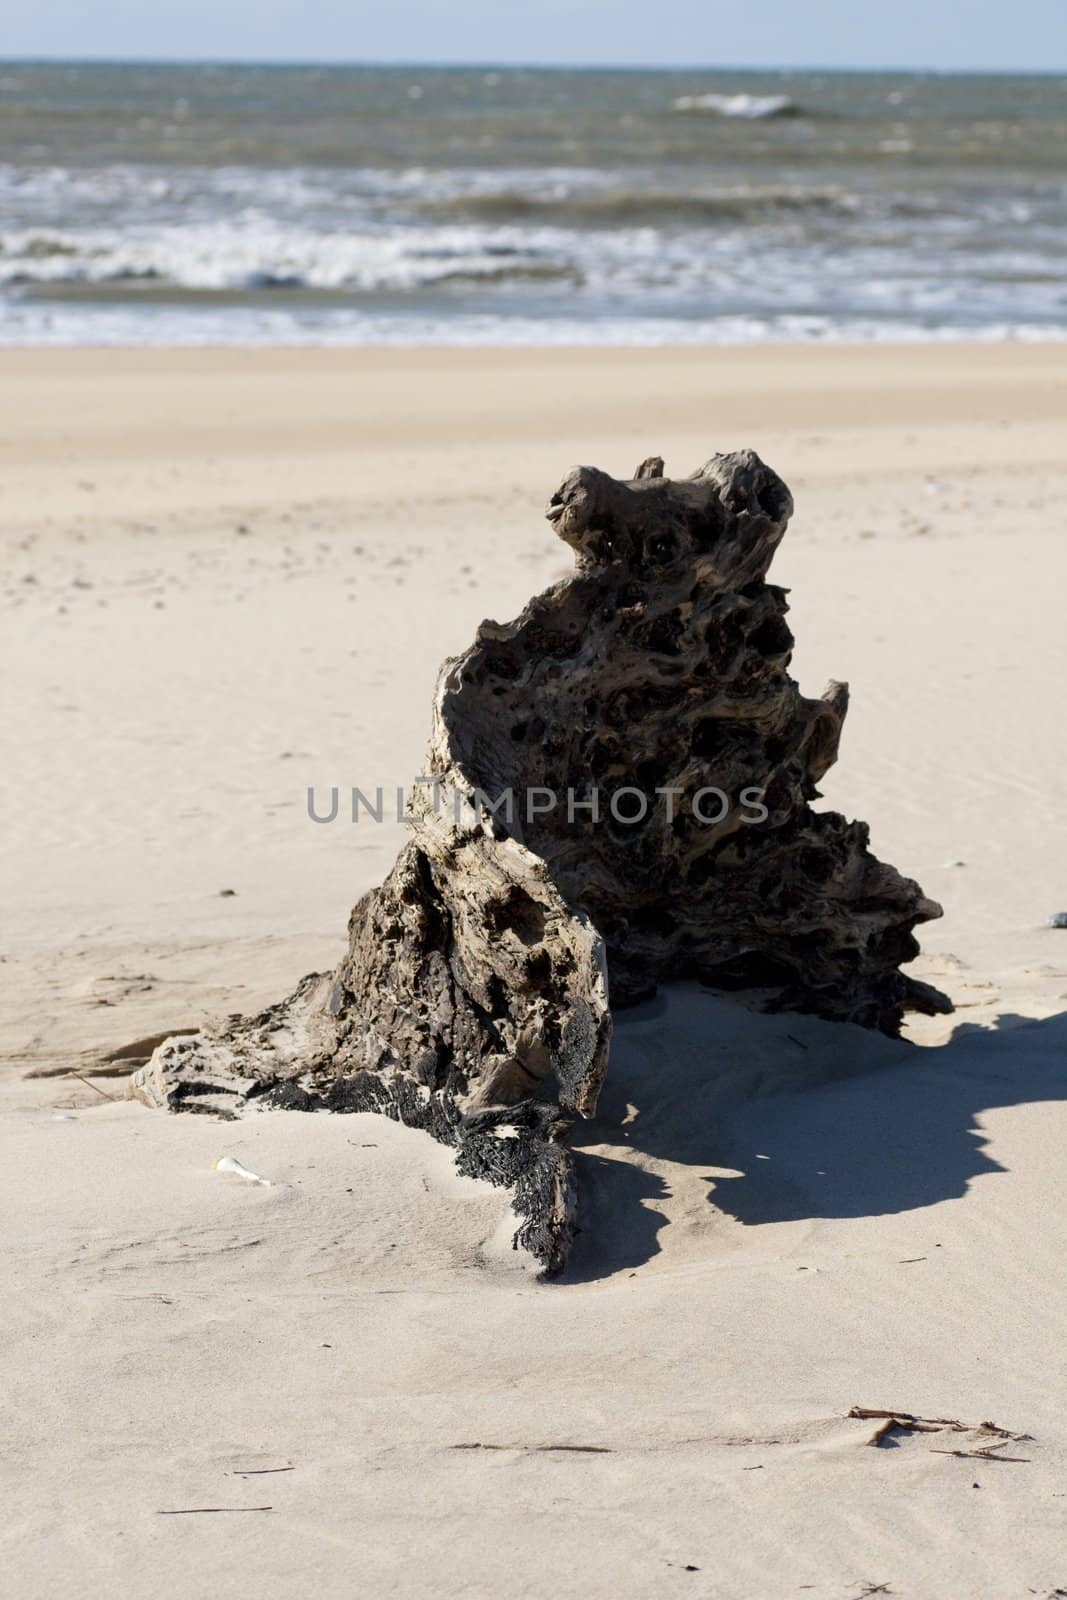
x: 229, y: 575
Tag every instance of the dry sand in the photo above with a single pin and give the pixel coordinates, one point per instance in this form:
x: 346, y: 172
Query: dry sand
x: 229, y: 575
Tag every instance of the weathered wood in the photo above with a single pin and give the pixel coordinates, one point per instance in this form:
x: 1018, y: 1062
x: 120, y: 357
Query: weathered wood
x: 473, y: 1000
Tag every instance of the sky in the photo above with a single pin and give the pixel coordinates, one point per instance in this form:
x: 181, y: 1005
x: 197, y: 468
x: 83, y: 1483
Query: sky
x: 945, y: 35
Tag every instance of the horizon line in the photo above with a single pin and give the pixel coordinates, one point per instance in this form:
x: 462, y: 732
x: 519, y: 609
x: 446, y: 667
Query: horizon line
x: 401, y: 64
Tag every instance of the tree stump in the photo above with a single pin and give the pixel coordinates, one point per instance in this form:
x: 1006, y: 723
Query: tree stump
x: 617, y: 793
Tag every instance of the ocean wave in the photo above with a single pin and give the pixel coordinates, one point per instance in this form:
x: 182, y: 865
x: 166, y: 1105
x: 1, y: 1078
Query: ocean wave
x: 607, y: 208
x: 679, y: 241
x: 885, y: 269
x: 360, y: 198
x: 261, y: 257
x: 748, y: 107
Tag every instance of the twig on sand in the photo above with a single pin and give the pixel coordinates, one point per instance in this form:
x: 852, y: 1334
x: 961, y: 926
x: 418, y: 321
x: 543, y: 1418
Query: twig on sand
x: 542, y: 1449
x: 203, y: 1511
x: 259, y: 1472
x: 908, y: 1418
x: 89, y: 1085
x: 984, y: 1453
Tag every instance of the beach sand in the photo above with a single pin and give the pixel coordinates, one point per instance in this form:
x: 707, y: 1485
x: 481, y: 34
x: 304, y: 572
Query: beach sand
x: 229, y: 575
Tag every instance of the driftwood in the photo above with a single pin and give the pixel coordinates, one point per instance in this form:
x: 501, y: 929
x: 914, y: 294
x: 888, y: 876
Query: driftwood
x: 620, y: 795
x: 890, y: 1423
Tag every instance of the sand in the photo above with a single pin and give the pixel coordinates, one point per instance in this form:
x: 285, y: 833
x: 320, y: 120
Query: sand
x: 230, y: 575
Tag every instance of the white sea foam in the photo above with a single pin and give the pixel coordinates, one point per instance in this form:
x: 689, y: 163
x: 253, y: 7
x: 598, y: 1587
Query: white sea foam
x: 957, y: 270
x: 750, y: 107
x: 245, y: 326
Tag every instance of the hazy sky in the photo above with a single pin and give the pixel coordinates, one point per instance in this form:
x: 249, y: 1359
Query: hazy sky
x: 978, y: 34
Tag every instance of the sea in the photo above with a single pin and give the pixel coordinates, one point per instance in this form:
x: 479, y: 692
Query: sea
x: 346, y: 205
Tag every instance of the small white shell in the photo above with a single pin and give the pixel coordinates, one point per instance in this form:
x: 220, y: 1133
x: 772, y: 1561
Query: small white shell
x: 230, y: 1164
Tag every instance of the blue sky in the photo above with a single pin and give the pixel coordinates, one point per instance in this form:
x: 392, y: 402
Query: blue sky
x: 941, y: 34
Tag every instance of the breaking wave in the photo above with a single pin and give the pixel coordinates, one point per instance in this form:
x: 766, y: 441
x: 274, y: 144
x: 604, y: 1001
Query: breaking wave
x: 749, y: 107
